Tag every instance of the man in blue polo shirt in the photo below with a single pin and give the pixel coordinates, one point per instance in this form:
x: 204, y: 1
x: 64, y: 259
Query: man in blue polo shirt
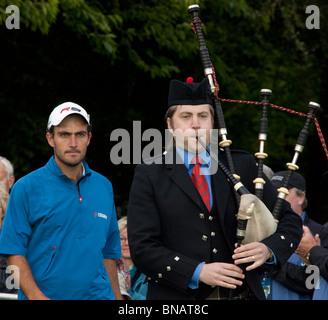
x: 60, y: 228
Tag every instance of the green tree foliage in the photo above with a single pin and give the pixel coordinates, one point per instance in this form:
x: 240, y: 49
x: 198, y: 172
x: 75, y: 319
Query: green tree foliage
x: 259, y: 45
x: 116, y: 58
x: 35, y: 15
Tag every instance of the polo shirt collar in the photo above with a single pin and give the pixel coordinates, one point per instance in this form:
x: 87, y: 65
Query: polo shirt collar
x: 53, y: 167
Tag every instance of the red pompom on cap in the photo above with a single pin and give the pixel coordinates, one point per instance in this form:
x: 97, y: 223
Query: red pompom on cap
x: 190, y: 80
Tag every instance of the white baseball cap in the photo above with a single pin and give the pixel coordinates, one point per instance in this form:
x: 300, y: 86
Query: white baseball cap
x: 63, y: 110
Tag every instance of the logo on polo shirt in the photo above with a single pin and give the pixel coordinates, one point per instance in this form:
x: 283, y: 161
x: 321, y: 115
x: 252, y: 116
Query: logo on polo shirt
x: 100, y: 215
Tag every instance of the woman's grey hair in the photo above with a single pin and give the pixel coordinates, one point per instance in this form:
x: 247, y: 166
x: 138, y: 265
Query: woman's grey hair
x: 4, y: 197
x: 122, y: 223
x: 8, y: 166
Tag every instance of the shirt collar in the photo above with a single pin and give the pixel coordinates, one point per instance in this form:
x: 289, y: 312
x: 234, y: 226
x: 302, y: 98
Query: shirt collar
x: 187, y: 157
x: 83, y: 169
x: 53, y: 167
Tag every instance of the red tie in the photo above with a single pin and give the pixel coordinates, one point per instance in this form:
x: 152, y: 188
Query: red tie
x: 200, y: 183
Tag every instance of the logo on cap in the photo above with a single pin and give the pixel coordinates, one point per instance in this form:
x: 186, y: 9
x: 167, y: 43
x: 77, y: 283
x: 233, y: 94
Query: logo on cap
x: 70, y: 108
x: 65, y: 109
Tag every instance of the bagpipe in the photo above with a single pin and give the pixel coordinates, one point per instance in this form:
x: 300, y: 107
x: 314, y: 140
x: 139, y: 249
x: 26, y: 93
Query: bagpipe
x: 255, y: 222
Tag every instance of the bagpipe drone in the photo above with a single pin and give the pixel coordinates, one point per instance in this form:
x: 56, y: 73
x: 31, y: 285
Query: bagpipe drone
x: 254, y: 220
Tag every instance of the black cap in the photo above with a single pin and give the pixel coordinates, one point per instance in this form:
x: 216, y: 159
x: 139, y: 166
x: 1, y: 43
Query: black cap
x: 296, y: 180
x: 189, y: 93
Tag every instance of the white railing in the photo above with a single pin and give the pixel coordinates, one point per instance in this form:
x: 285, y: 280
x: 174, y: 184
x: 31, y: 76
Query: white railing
x: 8, y: 296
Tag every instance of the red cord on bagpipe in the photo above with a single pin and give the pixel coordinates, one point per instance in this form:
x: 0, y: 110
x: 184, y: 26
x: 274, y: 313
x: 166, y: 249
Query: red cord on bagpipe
x: 216, y: 92
x: 317, y: 125
x: 301, y: 114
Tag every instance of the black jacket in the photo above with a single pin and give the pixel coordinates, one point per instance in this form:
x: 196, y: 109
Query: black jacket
x: 170, y: 230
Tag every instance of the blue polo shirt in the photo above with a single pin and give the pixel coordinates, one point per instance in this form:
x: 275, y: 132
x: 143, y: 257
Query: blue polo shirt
x: 65, y: 230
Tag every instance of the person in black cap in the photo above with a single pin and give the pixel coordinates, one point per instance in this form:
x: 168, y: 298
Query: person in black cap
x: 296, y: 188
x: 182, y: 223
x: 289, y: 280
